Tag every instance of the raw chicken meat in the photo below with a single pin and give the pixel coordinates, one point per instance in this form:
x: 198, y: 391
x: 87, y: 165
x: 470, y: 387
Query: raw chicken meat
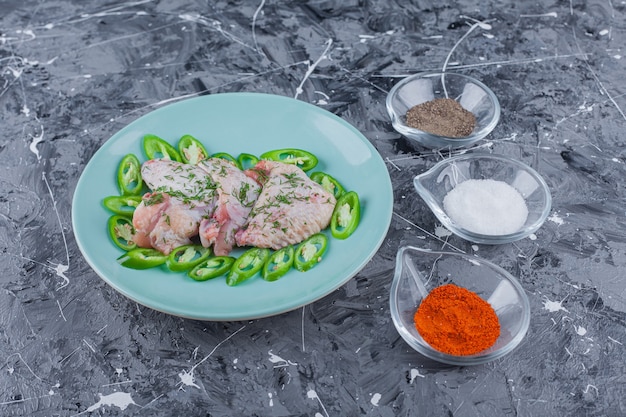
x: 146, y: 217
x: 165, y: 223
x: 290, y: 208
x: 182, y: 195
x: 236, y: 194
x: 186, y: 182
x: 212, y: 200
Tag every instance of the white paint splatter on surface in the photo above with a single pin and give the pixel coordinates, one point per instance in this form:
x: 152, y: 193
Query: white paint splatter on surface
x: 61, y: 310
x: 120, y: 400
x: 551, y: 14
x: 322, y: 101
x: 275, y: 359
x: 477, y: 24
x: 312, y: 67
x: 187, y: 378
x: 554, y: 218
x: 588, y: 387
x: 553, y: 306
x: 441, y: 232
x: 254, y: 20
x: 60, y: 269
x: 312, y: 395
x: 414, y: 374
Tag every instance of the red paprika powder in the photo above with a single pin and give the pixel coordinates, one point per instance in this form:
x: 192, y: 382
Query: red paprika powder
x: 457, y: 321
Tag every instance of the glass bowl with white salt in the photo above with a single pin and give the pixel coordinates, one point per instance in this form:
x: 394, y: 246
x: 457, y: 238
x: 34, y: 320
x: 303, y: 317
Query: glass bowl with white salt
x: 443, y: 110
x: 420, y: 272
x: 486, y: 198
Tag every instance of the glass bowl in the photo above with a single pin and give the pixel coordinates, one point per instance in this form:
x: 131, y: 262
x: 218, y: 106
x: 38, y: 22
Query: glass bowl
x: 418, y: 271
x: 434, y: 184
x: 472, y: 94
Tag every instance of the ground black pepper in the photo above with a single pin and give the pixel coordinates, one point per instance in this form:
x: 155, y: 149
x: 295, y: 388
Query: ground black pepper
x: 443, y: 117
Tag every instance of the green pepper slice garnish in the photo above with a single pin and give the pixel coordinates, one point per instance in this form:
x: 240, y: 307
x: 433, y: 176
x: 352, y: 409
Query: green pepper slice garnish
x: 123, y: 205
x: 302, y: 159
x: 129, y: 179
x: 246, y: 160
x: 191, y: 150
x: 186, y: 257
x: 226, y: 156
x: 278, y: 264
x: 211, y: 268
x: 309, y: 253
x: 247, y: 265
x: 346, y: 215
x: 142, y: 258
x: 328, y: 183
x: 156, y: 148
x: 121, y: 231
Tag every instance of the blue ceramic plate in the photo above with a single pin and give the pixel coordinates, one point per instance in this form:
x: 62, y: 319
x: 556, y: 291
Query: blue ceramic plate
x: 236, y: 123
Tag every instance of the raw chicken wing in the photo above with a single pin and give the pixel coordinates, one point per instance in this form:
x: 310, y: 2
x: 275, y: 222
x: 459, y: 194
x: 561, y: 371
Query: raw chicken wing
x: 182, y: 195
x: 290, y: 208
x: 236, y: 194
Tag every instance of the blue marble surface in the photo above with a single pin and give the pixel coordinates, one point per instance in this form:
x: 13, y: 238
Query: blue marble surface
x: 73, y: 73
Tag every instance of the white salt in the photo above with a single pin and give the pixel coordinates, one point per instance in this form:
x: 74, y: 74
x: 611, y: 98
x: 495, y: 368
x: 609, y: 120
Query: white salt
x: 487, y: 207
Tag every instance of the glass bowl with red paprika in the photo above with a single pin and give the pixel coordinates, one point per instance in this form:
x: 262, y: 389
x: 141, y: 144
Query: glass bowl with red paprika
x: 456, y: 308
x: 443, y: 110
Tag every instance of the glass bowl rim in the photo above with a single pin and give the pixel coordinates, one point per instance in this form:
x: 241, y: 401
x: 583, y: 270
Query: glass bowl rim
x: 431, y: 353
x: 426, y: 138
x: 479, y: 237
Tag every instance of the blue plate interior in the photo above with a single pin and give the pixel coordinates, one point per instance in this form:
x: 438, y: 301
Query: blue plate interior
x: 236, y: 123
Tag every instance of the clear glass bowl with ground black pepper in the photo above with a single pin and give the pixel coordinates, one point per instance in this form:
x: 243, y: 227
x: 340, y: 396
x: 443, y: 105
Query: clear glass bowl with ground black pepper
x: 486, y: 198
x: 443, y: 110
x: 419, y: 271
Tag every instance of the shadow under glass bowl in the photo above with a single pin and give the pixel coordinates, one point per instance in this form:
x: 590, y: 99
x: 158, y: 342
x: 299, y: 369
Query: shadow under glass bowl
x: 419, y: 271
x: 434, y: 184
x: 470, y: 93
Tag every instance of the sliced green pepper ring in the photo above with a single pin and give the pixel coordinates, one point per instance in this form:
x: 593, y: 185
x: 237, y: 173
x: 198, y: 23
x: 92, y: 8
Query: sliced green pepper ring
x: 226, y: 156
x: 328, y: 183
x: 129, y: 179
x: 156, y: 148
x: 279, y: 263
x: 247, y: 265
x: 191, y: 150
x: 122, y: 232
x: 142, y: 258
x: 346, y: 215
x: 309, y: 253
x: 186, y: 257
x: 211, y: 268
x: 246, y: 160
x: 302, y: 159
x: 122, y: 204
